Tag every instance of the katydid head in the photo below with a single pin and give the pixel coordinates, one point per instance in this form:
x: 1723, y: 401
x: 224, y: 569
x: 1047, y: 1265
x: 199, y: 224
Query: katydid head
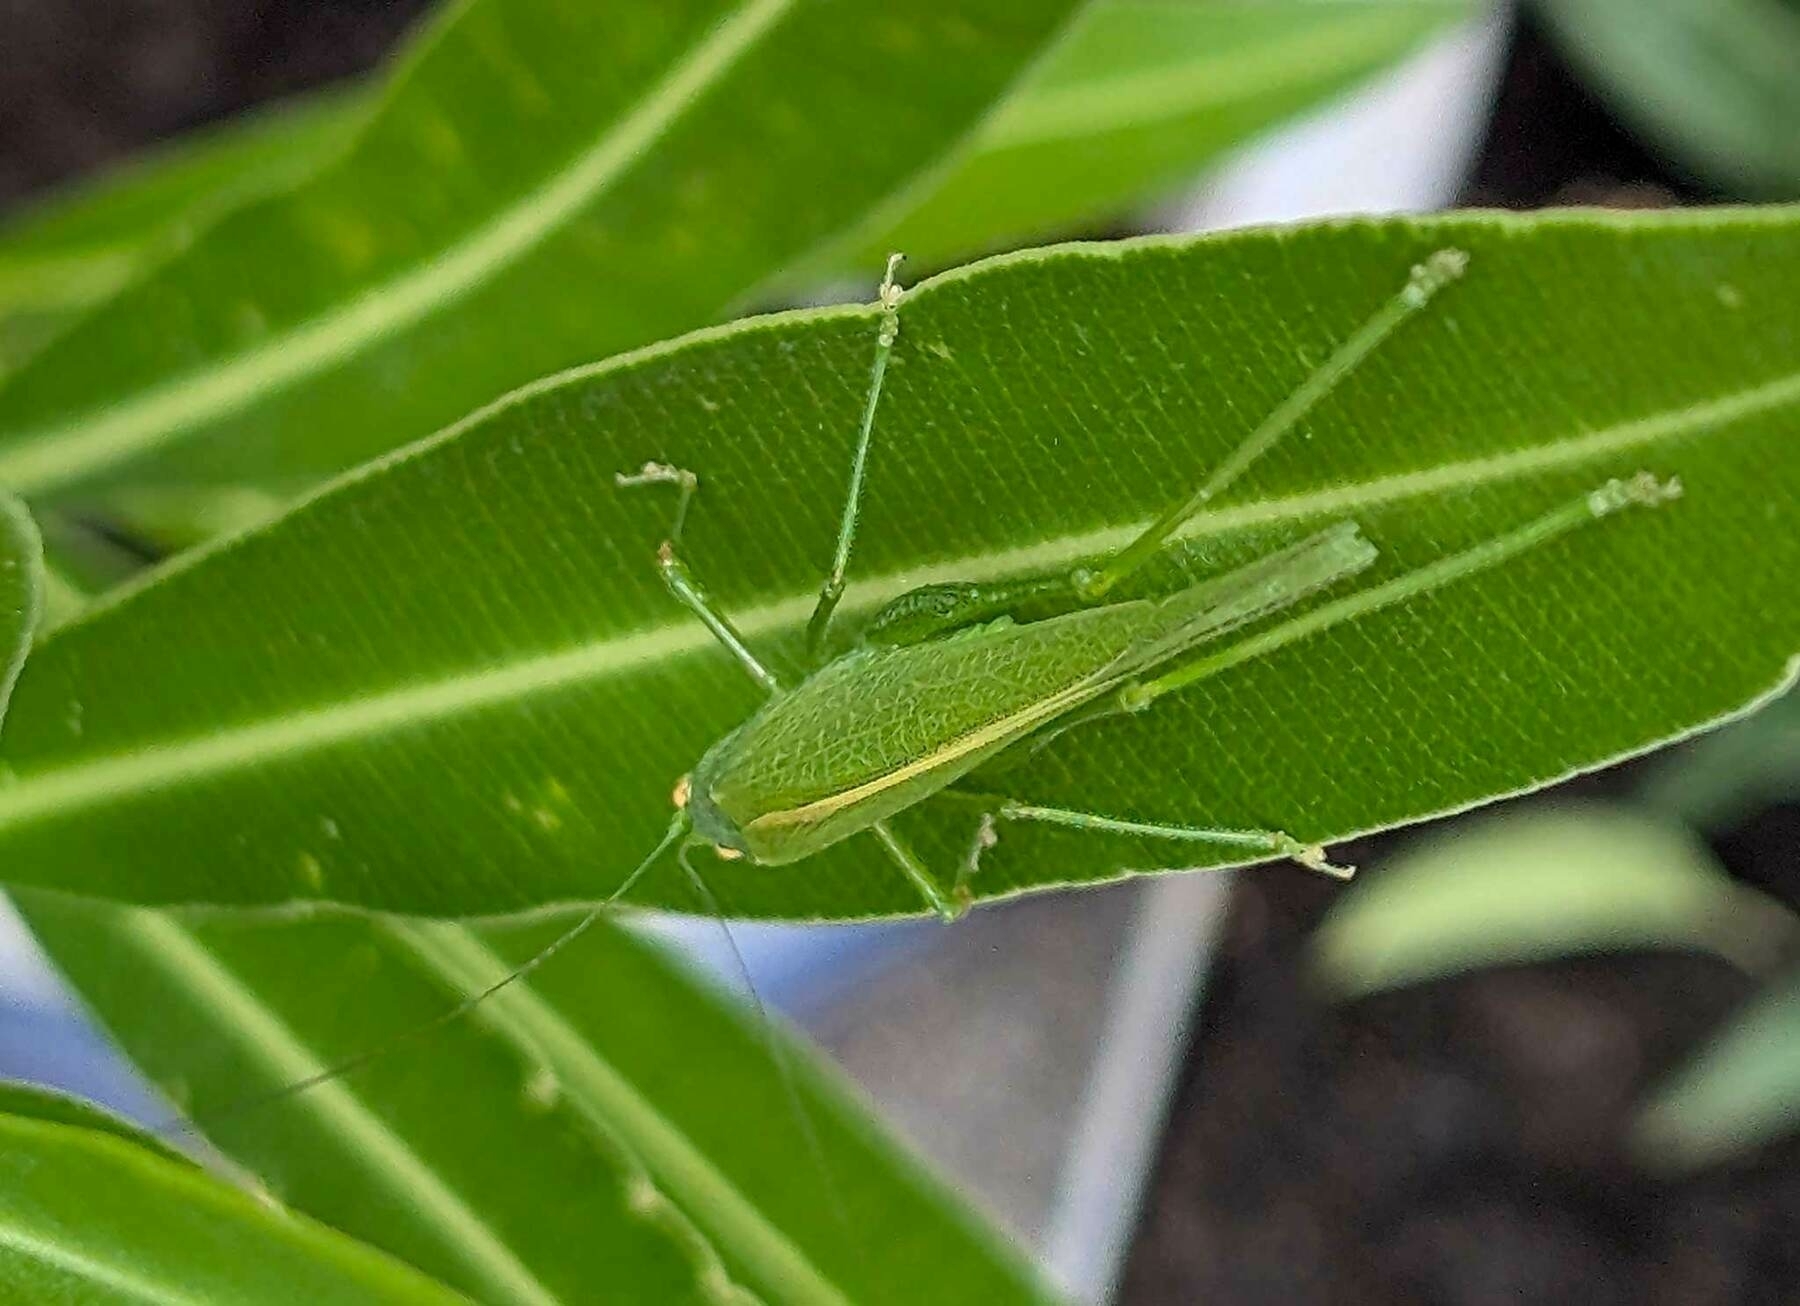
x: 693, y: 798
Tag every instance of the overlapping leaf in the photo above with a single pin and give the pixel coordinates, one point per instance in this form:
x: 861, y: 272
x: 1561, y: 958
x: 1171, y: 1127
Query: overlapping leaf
x: 1539, y: 886
x: 90, y: 1214
x: 611, y: 1130
x: 1716, y: 85
x: 1141, y: 96
x: 452, y: 684
x: 21, y: 591
x: 543, y: 185
x: 1740, y: 1092
x: 71, y: 252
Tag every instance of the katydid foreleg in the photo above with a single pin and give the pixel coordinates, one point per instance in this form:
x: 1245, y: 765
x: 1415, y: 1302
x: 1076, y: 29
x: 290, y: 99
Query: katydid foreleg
x: 681, y: 583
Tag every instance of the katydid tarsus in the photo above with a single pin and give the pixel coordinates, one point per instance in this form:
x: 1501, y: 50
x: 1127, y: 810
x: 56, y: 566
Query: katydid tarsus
x: 944, y: 679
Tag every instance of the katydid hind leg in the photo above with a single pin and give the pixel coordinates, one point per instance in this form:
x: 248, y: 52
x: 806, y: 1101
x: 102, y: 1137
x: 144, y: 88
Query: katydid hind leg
x: 1426, y: 280
x: 1255, y: 843
x: 832, y: 589
x: 1640, y: 491
x: 678, y: 578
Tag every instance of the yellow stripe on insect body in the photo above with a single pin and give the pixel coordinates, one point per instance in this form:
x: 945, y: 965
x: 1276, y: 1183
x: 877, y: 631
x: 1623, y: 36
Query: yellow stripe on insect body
x: 951, y: 761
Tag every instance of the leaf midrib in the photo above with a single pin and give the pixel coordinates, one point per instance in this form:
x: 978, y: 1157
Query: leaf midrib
x: 41, y: 459
x: 1137, y: 99
x: 615, y: 1105
x: 83, y: 1267
x: 54, y: 790
x: 272, y: 1040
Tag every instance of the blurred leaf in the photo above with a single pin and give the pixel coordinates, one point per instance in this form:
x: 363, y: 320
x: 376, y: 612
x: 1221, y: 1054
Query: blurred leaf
x: 1741, y: 1091
x: 611, y: 1124
x: 1535, y: 886
x: 1141, y: 96
x: 544, y: 184
x: 39, y: 1103
x: 74, y: 249
x: 1714, y: 82
x: 452, y: 683
x: 87, y: 1215
x: 21, y: 593
x: 1722, y: 777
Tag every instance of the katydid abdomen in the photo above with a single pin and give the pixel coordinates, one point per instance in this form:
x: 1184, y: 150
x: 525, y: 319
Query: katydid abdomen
x: 883, y: 728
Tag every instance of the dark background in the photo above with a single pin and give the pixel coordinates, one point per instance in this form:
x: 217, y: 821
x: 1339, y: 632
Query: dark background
x: 1455, y: 1143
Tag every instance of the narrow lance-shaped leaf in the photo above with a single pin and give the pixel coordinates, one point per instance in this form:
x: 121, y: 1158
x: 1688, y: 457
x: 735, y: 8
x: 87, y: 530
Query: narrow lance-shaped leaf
x: 546, y: 183
x: 75, y: 249
x: 90, y: 1215
x: 1721, y: 778
x: 21, y: 592
x: 452, y: 683
x: 34, y: 1101
x: 615, y: 1131
x: 1717, y: 85
x: 1538, y: 886
x: 1741, y: 1091
x: 1140, y: 98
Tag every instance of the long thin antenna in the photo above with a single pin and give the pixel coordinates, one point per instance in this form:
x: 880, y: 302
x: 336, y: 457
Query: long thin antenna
x: 678, y: 829
x: 784, y: 1066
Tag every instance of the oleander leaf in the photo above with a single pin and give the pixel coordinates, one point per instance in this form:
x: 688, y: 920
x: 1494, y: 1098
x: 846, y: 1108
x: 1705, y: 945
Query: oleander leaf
x: 65, y: 254
x: 543, y: 184
x: 610, y: 1129
x: 21, y: 592
x: 1739, y: 1092
x: 1714, y: 83
x: 91, y: 1214
x: 1139, y: 99
x: 1729, y: 773
x: 452, y: 684
x: 1536, y: 886
x: 34, y: 1101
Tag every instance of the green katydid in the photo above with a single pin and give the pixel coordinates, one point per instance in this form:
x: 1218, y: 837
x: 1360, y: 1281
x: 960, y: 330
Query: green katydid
x: 944, y: 679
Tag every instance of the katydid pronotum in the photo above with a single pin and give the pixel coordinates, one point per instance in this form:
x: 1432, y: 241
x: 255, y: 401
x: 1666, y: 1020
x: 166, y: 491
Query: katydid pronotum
x: 837, y: 754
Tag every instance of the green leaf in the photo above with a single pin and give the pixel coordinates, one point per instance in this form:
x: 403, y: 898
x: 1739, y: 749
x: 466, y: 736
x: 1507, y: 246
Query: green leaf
x: 75, y: 249
x: 452, y: 683
x: 1536, y: 886
x: 21, y: 592
x: 611, y: 1124
x: 1740, y: 1092
x: 40, y: 1103
x: 1714, y: 82
x: 88, y: 1215
x: 1138, y: 99
x: 1729, y: 773
x: 544, y: 184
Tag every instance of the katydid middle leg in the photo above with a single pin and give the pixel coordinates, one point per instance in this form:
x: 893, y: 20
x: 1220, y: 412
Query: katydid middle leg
x: 938, y: 609
x: 832, y: 589
x: 1091, y: 584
